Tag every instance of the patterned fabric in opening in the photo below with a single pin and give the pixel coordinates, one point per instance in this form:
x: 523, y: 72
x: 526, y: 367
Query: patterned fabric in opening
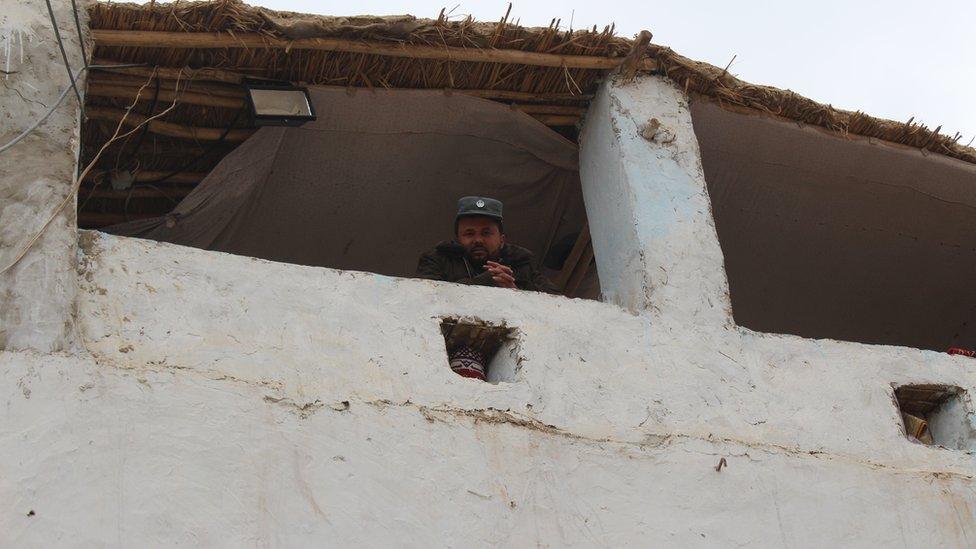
x: 468, y: 362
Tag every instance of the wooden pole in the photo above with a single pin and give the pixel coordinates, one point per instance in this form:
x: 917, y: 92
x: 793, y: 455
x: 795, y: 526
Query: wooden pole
x: 183, y: 73
x: 138, y: 192
x: 102, y: 219
x: 550, y: 109
x: 579, y: 272
x: 523, y: 96
x: 632, y: 63
x: 209, y: 88
x: 216, y: 40
x: 582, y: 241
x: 99, y: 89
x: 196, y: 76
x: 168, y: 128
x: 547, y: 114
x: 128, y: 90
x: 191, y: 178
x: 555, y: 119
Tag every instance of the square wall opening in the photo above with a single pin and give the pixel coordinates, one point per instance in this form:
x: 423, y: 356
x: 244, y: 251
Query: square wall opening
x: 937, y: 415
x: 481, y: 350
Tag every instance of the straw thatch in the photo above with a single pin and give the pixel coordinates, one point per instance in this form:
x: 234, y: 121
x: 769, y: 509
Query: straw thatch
x: 353, y: 69
x: 717, y: 84
x: 199, y: 51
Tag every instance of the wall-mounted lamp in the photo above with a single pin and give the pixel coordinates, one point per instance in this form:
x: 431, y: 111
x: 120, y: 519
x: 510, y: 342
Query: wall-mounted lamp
x: 277, y: 103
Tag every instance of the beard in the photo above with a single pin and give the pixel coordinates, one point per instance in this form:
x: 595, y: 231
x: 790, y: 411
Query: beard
x: 478, y: 255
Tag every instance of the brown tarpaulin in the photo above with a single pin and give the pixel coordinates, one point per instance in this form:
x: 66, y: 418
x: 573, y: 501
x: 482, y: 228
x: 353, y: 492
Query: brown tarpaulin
x: 375, y: 181
x: 840, y: 238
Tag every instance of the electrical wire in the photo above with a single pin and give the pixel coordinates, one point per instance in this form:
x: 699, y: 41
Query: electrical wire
x: 197, y: 158
x: 84, y: 60
x: 145, y: 129
x: 41, y: 120
x: 81, y: 38
x: 80, y: 177
x: 61, y: 97
x: 64, y: 54
x: 139, y: 140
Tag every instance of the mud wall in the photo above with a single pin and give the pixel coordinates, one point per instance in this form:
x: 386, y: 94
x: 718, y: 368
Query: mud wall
x: 231, y: 401
x: 37, y: 295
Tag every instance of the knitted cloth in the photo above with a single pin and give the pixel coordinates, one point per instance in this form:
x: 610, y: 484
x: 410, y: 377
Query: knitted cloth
x: 468, y: 362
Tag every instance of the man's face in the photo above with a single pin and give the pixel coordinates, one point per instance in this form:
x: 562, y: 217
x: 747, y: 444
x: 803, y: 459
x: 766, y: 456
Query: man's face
x: 480, y: 237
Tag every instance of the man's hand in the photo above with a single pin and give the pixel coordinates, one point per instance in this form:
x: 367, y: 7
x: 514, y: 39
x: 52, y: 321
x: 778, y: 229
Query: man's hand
x: 501, y: 274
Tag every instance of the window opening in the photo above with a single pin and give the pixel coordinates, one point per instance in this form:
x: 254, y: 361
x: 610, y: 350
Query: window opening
x: 937, y: 415
x: 481, y: 350
x: 324, y: 194
x: 827, y: 237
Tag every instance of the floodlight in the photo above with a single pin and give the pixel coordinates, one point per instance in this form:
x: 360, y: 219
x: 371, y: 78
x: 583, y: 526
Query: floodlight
x: 276, y: 103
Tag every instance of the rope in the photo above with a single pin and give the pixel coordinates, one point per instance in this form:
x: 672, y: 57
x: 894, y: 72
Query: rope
x: 77, y: 182
x: 61, y: 97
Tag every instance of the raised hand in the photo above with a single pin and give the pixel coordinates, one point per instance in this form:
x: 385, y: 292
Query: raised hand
x: 502, y: 275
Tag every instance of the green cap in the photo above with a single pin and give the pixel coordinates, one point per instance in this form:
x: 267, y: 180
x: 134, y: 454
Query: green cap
x: 479, y: 205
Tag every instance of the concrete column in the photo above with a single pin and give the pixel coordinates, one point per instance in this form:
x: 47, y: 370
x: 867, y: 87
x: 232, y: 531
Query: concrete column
x: 37, y: 296
x: 650, y: 216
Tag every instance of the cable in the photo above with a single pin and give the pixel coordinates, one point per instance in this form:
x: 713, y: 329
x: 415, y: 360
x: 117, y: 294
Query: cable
x: 78, y: 179
x: 61, y: 97
x: 84, y: 60
x: 81, y: 39
x: 145, y: 129
x: 64, y: 54
x: 41, y: 120
x: 200, y: 156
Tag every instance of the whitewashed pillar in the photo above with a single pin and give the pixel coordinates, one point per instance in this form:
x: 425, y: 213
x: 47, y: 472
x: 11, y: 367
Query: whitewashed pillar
x: 649, y: 212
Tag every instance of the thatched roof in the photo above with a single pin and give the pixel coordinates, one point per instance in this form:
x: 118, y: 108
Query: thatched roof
x: 547, y: 72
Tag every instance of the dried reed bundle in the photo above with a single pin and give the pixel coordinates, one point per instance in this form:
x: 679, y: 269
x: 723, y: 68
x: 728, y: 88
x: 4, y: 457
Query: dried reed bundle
x: 365, y: 70
x: 556, y: 95
x: 719, y: 85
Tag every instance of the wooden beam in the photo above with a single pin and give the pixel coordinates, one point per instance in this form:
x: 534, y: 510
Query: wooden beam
x: 104, y: 219
x: 582, y: 241
x: 127, y: 90
x: 166, y: 95
x: 168, y: 128
x: 183, y: 73
x: 484, y: 94
x: 547, y: 114
x: 142, y: 176
x: 138, y: 75
x: 209, y: 88
x: 138, y: 192
x: 579, y: 272
x: 523, y: 96
x: 550, y: 109
x: 216, y: 40
x: 630, y: 66
x: 555, y: 119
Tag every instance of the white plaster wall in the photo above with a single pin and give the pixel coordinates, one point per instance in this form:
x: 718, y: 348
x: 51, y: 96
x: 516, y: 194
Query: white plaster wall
x: 226, y: 401
x: 954, y: 425
x: 232, y: 401
x: 650, y: 215
x: 37, y: 295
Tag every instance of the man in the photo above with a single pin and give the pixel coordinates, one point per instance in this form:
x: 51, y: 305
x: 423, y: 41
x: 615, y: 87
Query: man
x: 479, y: 254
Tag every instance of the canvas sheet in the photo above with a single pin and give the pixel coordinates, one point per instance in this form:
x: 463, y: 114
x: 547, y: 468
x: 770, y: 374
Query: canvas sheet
x: 375, y: 181
x: 829, y: 237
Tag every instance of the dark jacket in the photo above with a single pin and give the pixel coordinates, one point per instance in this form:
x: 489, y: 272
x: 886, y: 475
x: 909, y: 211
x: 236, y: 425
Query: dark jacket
x: 448, y: 262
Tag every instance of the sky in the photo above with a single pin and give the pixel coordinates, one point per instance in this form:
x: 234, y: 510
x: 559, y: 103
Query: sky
x: 896, y: 59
